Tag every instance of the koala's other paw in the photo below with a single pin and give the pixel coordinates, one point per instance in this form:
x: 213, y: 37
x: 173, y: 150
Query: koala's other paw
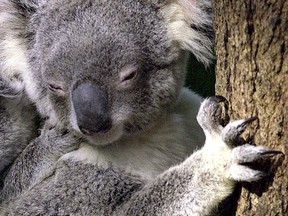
x: 244, y: 155
x: 236, y: 155
x: 58, y: 141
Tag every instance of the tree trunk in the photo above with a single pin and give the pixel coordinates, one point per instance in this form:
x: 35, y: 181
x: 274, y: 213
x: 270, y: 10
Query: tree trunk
x: 252, y: 73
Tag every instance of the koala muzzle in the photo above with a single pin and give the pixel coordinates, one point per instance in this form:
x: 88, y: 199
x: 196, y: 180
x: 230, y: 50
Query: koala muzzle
x: 90, y: 102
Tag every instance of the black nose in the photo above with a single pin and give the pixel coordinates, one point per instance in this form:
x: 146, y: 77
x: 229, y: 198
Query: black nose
x: 90, y: 102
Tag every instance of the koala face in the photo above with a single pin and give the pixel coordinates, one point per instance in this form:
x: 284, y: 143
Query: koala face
x: 105, y: 69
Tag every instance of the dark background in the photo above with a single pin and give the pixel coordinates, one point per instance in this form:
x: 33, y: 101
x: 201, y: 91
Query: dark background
x: 200, y: 79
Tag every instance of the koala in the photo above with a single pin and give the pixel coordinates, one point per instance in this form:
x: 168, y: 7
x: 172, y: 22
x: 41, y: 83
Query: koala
x: 193, y: 187
x: 121, y: 135
x: 125, y: 101
x: 18, y: 116
x: 18, y: 123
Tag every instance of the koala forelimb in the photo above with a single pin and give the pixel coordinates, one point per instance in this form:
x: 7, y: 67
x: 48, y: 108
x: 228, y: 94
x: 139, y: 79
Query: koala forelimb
x: 108, y: 78
x: 18, y: 123
x: 37, y: 161
x: 193, y: 187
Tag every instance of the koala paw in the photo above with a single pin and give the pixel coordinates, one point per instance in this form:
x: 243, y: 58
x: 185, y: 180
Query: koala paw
x: 245, y: 155
x: 57, y: 141
x: 236, y: 154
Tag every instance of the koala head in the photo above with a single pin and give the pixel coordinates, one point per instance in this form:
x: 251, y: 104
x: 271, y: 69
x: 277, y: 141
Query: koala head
x: 108, y: 69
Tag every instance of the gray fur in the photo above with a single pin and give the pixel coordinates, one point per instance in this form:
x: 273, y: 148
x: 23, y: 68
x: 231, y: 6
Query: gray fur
x: 194, y: 187
x: 37, y: 161
x: 18, y: 116
x: 18, y: 123
x: 131, y: 55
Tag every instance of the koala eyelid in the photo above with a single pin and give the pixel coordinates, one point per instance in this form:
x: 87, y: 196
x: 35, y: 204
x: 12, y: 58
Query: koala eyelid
x: 127, y: 76
x: 55, y: 88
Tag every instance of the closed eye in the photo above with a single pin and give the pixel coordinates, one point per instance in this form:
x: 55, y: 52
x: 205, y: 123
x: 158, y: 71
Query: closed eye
x: 128, y: 75
x: 56, y: 88
x: 53, y: 87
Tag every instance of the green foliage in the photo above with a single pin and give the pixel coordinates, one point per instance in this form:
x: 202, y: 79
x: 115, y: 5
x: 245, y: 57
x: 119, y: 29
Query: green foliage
x: 200, y: 79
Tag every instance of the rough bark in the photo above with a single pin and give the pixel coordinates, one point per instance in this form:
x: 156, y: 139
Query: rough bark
x: 252, y: 73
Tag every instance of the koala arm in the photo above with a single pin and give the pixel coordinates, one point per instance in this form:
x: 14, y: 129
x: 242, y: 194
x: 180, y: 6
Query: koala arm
x: 18, y: 123
x: 208, y: 176
x: 187, y: 189
x: 37, y: 161
x: 194, y: 187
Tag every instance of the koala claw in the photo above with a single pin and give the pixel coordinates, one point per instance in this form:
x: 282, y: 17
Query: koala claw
x: 271, y: 152
x: 231, y: 133
x: 218, y: 99
x: 241, y: 154
x: 248, y: 153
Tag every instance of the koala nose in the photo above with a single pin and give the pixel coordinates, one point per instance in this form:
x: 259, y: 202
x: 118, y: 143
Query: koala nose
x: 90, y: 102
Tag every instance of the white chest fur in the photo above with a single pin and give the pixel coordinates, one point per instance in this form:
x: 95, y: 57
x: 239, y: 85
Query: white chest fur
x: 154, y: 151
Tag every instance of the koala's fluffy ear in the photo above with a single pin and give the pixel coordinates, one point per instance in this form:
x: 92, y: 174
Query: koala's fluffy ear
x: 190, y: 25
x: 14, y: 37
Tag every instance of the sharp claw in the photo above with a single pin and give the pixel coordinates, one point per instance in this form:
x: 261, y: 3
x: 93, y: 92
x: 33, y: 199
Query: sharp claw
x: 241, y: 127
x: 271, y: 152
x: 224, y: 120
x: 249, y: 120
x: 219, y: 99
x: 232, y: 132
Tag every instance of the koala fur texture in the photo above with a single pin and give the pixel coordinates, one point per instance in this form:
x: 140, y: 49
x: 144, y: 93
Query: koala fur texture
x: 74, y: 187
x: 121, y: 129
x: 18, y: 123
